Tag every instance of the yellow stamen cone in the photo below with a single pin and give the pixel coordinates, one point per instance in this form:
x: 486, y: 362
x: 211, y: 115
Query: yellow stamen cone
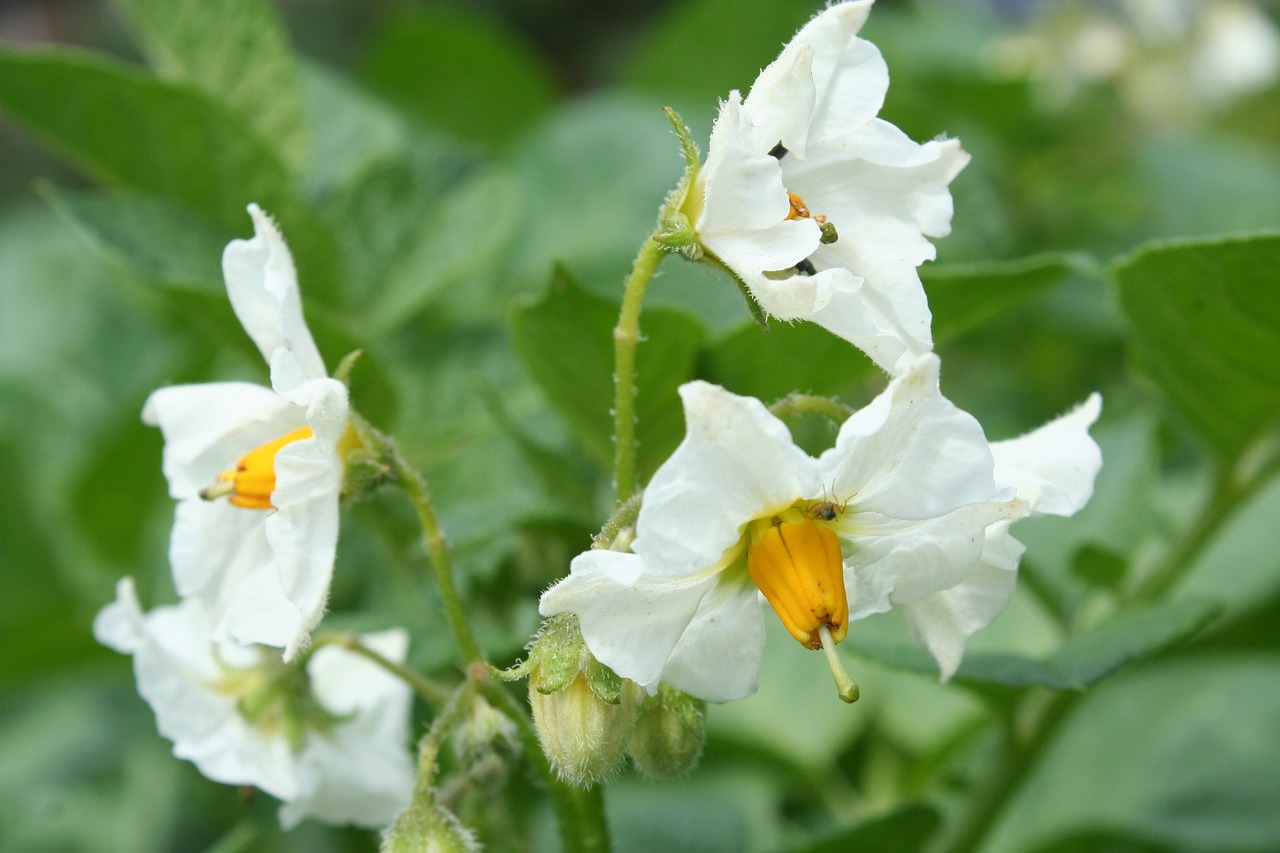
x: 798, y: 567
x: 251, y: 482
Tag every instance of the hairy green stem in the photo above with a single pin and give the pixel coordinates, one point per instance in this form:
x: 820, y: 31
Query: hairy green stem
x: 626, y: 336
x: 438, y: 548
x: 435, y: 694
x: 579, y: 812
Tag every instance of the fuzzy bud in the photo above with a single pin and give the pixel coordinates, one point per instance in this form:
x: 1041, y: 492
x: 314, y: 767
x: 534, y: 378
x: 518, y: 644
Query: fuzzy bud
x: 582, y: 711
x: 669, y: 731
x: 428, y: 828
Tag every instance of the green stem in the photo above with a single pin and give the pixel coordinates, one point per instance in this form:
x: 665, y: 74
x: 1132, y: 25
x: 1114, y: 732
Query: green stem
x: 626, y: 336
x: 430, y: 691
x: 415, y: 487
x: 579, y: 812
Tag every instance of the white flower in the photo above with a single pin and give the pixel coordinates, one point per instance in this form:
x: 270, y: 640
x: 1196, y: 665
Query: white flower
x: 909, y: 504
x: 805, y: 153
x: 261, y: 559
x: 330, y: 742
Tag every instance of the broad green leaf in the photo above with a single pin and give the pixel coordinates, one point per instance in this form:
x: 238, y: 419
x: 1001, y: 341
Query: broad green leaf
x: 788, y: 357
x: 236, y: 52
x: 905, y: 830
x: 1205, y: 328
x: 1182, y: 752
x: 461, y: 72
x: 161, y: 240
x: 133, y: 131
x: 565, y: 342
x: 703, y: 48
x: 963, y: 296
x: 1082, y: 660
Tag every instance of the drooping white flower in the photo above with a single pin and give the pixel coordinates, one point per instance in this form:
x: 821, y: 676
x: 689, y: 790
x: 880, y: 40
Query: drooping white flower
x: 330, y: 740
x: 909, y: 504
x: 822, y: 209
x: 257, y: 471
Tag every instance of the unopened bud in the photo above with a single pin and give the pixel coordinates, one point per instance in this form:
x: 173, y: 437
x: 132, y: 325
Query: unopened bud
x: 669, y: 731
x: 428, y: 827
x: 583, y: 736
x: 581, y: 709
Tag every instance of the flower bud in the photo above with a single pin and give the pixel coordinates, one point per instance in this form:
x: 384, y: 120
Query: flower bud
x: 428, y: 827
x: 669, y: 731
x: 582, y: 711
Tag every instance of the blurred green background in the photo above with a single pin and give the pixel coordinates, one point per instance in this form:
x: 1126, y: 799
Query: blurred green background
x: 464, y: 186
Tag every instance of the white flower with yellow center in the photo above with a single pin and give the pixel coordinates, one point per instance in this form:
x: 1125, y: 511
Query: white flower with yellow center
x: 909, y: 507
x: 328, y: 738
x: 822, y: 209
x: 257, y: 470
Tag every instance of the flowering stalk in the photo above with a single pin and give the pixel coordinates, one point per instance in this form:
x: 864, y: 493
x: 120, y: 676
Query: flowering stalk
x: 430, y: 691
x: 626, y: 335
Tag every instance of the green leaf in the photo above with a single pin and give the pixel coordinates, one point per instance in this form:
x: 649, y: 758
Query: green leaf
x: 163, y: 241
x: 1182, y: 753
x: 129, y: 129
x: 132, y: 131
x: 1205, y: 328
x: 235, y: 51
x: 1082, y: 660
x: 788, y: 357
x: 905, y: 830
x: 461, y: 72
x: 963, y: 296
x: 704, y: 48
x: 565, y: 342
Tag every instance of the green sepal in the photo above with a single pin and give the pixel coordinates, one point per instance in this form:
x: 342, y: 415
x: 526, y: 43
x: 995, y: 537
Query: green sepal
x: 676, y: 231
x: 604, y: 682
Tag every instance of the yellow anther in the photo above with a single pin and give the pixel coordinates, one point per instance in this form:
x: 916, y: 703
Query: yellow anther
x: 251, y: 482
x: 798, y: 567
x: 798, y: 208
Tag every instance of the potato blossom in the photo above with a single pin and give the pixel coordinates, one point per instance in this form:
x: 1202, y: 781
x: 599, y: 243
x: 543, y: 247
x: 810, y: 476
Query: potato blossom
x: 819, y: 207
x: 257, y: 471
x: 328, y: 738
x: 910, y: 506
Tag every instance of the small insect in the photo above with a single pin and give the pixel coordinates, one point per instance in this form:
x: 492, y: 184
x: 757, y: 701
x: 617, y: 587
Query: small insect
x: 806, y: 267
x: 826, y: 510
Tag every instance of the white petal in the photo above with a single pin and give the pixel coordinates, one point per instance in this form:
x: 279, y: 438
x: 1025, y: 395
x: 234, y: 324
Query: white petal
x: 753, y: 252
x: 913, y: 559
x: 792, y: 295
x: 120, y: 625
x: 208, y: 427
x: 910, y: 453
x: 822, y: 69
x: 737, y: 462
x: 629, y: 628
x: 221, y: 556
x: 887, y: 316
x: 882, y: 191
x: 945, y: 620
x: 1053, y: 468
x: 263, y: 287
x: 359, y: 771
x: 324, y: 400
x: 742, y: 182
x: 718, y: 657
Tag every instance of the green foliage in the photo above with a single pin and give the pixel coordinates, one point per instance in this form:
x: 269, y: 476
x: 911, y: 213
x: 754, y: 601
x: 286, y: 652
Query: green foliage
x: 235, y: 51
x: 459, y: 72
x: 1206, y: 330
x: 566, y: 344
x: 426, y: 213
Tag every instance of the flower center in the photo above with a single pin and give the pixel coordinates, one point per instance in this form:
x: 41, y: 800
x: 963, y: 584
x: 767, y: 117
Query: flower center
x: 251, y: 482
x: 798, y: 566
